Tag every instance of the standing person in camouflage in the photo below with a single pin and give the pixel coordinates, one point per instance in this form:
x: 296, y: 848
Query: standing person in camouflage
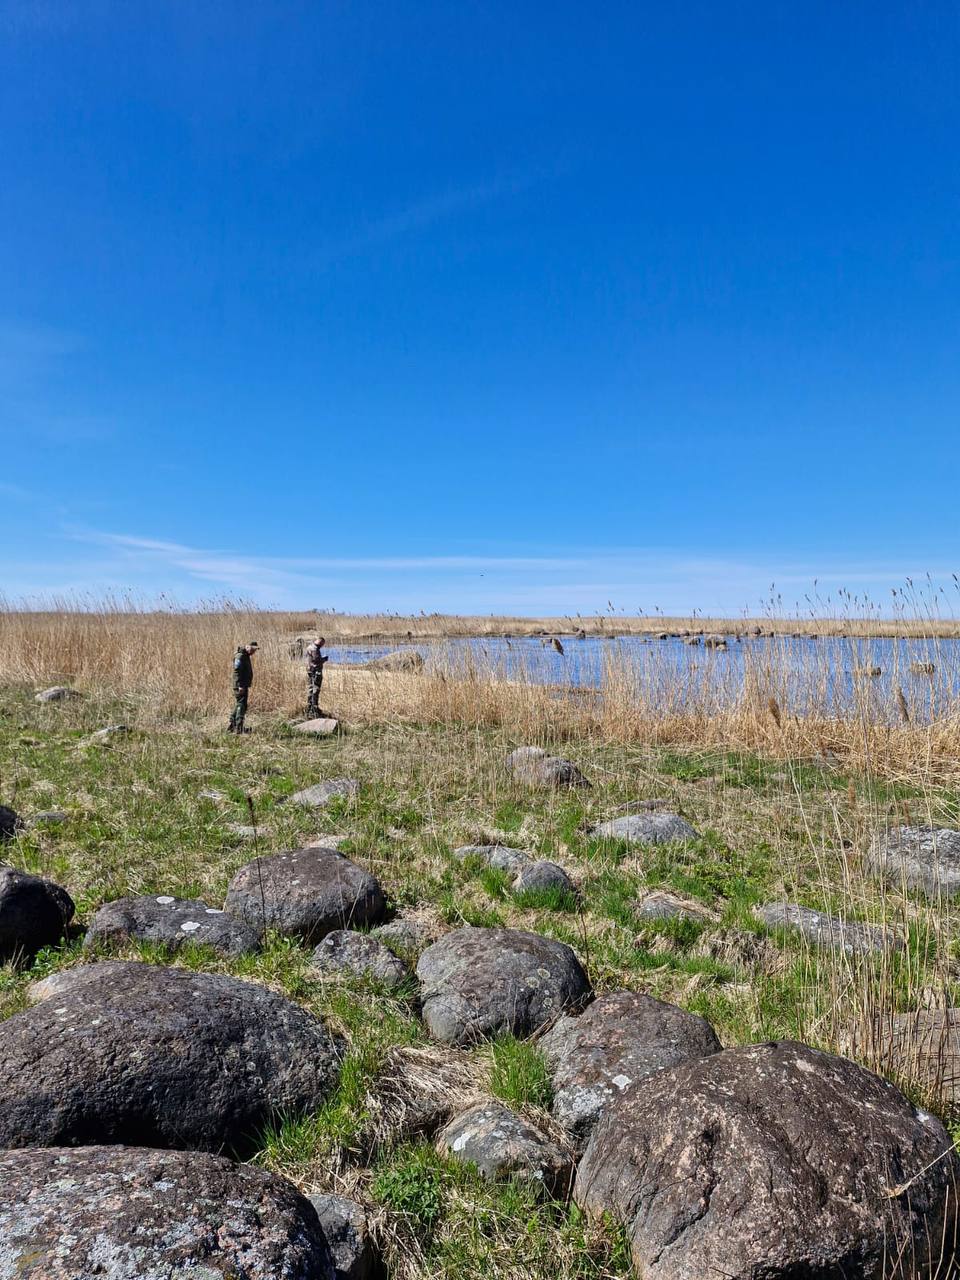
x: 315, y: 664
x: 242, y: 680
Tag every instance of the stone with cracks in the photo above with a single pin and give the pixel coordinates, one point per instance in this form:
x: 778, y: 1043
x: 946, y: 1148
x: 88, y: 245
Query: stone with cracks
x: 127, y: 1213
x: 503, y: 1146
x: 159, y: 1057
x: 357, y: 955
x: 850, y: 936
x: 646, y: 828
x: 925, y: 858
x: 10, y: 822
x: 544, y: 876
x: 348, y: 1236
x: 774, y: 1161
x: 59, y: 693
x: 305, y: 893
x: 537, y: 768
x: 619, y: 1039
x: 481, y: 982
x: 321, y: 793
x: 172, y: 922
x: 34, y: 913
x: 498, y: 856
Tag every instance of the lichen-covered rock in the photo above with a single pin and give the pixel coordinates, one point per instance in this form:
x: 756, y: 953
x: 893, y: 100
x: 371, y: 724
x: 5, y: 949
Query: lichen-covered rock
x: 653, y: 827
x: 161, y: 1057
x: 773, y: 1160
x: 619, y: 1039
x: 348, y: 1236
x: 503, y: 1146
x: 10, y: 822
x: 544, y: 876
x: 34, y: 913
x: 171, y: 922
x: 125, y: 1213
x: 406, y: 933
x: 305, y: 893
x: 922, y: 857
x: 480, y: 982
x: 500, y: 857
x: 660, y: 904
x: 852, y: 937
x: 357, y: 955
x: 537, y: 768
x: 321, y: 793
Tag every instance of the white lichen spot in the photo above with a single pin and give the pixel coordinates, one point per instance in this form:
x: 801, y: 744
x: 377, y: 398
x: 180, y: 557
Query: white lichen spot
x: 190, y: 926
x: 802, y: 1065
x: 214, y: 911
x: 621, y: 1082
x: 165, y: 900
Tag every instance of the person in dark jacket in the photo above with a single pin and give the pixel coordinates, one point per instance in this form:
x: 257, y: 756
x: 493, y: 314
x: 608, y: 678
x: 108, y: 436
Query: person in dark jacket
x: 242, y: 680
x: 315, y: 664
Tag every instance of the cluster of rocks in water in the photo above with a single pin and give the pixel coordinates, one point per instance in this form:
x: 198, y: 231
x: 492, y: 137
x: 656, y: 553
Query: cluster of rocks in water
x: 130, y: 1092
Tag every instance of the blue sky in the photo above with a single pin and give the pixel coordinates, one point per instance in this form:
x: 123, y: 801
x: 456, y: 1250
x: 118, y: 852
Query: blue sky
x: 478, y: 307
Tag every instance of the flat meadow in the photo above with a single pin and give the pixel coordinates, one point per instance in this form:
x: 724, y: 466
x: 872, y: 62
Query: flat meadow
x: 785, y: 805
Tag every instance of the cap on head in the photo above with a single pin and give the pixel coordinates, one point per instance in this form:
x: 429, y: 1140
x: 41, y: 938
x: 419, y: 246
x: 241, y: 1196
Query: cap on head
x: 253, y: 645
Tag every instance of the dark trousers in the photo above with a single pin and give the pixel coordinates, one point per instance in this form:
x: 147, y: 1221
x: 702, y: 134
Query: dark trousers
x: 240, y: 710
x: 314, y: 684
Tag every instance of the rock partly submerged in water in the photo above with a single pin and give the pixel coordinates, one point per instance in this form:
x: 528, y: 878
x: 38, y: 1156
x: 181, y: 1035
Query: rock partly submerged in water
x: 129, y: 1213
x: 772, y: 1160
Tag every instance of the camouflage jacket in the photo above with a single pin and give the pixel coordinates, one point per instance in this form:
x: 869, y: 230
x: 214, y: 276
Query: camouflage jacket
x: 315, y: 660
x: 242, y: 670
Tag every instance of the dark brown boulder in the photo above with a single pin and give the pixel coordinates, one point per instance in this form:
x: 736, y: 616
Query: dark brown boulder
x: 773, y: 1161
x: 126, y: 1213
x: 159, y: 1057
x: 305, y: 893
x: 34, y: 913
x: 480, y: 982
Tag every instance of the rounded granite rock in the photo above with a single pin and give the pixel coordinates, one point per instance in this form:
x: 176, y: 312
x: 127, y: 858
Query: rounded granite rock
x: 127, y: 1213
x: 171, y: 922
x: 480, y: 982
x: 305, y: 893
x: 150, y: 1055
x: 344, y: 953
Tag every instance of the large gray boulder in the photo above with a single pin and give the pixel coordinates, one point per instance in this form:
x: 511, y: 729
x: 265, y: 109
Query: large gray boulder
x: 500, y: 857
x: 537, y: 768
x: 159, y: 1057
x: 480, y: 982
x: 652, y: 827
x: 503, y: 1146
x: 126, y: 1213
x: 852, y: 937
x: 10, y: 822
x: 920, y: 1049
x: 321, y: 793
x: 34, y: 913
x: 925, y: 858
x: 171, y: 922
x: 773, y: 1161
x: 344, y: 953
x: 619, y: 1039
x: 349, y: 1238
x: 305, y: 893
